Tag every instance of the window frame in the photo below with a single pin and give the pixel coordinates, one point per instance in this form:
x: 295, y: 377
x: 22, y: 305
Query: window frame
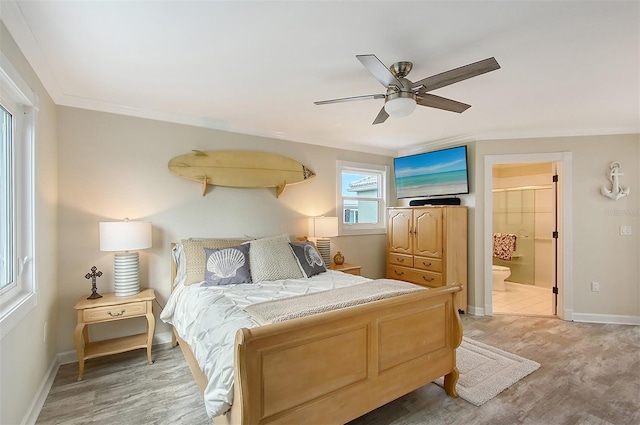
x: 8, y: 164
x: 380, y: 227
x: 19, y: 298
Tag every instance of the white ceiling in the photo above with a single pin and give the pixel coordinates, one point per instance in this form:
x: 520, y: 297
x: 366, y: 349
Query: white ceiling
x: 568, y: 68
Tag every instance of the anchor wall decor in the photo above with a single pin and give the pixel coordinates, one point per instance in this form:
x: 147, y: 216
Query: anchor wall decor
x: 616, y: 191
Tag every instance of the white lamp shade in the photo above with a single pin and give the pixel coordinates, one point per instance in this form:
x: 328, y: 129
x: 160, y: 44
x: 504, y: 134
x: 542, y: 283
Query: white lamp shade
x: 400, y: 106
x: 125, y: 235
x: 323, y: 227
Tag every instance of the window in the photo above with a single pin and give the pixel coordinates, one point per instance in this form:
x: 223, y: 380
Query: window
x: 17, y: 120
x: 362, y: 195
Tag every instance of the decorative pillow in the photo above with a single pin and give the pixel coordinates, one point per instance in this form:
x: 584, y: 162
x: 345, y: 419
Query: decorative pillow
x: 272, y: 259
x: 225, y: 266
x: 177, y: 253
x: 308, y: 258
x: 195, y: 257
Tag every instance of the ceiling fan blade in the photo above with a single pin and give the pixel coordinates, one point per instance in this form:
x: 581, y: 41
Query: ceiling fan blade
x: 379, y: 70
x: 350, y: 99
x: 433, y: 101
x: 382, y: 117
x: 456, y: 75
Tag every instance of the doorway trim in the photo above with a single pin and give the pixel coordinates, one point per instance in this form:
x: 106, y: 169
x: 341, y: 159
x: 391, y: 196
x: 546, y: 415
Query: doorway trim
x: 565, y: 227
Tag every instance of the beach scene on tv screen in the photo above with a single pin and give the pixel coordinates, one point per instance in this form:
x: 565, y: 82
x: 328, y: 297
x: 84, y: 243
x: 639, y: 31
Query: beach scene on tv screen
x: 435, y: 173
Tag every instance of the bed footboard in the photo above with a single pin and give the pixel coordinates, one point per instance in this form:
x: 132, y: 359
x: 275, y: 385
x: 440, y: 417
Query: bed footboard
x: 336, y: 366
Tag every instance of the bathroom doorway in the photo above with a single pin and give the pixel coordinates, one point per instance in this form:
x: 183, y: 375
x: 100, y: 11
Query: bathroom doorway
x: 559, y: 297
x: 524, y: 226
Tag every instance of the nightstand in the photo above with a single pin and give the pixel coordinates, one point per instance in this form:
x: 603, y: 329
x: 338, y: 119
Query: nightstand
x: 347, y: 268
x: 107, y: 309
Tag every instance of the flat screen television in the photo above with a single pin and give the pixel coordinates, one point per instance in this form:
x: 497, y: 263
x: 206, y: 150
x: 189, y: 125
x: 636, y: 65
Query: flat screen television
x: 437, y: 173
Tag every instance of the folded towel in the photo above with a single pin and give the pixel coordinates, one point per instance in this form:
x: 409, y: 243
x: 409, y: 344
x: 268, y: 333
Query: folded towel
x: 504, y: 244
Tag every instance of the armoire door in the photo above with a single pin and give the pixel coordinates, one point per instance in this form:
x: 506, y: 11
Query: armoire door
x: 428, y: 232
x: 400, y: 230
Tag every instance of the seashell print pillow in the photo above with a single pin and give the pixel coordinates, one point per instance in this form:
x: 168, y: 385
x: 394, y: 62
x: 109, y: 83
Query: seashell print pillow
x: 194, y: 255
x: 226, y: 266
x: 309, y: 259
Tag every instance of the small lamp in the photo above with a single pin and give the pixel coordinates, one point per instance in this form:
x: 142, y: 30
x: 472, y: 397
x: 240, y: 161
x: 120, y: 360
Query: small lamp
x: 125, y: 237
x: 323, y: 228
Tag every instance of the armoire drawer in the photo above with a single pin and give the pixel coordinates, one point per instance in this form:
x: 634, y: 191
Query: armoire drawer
x: 426, y: 263
x: 419, y: 277
x: 401, y: 259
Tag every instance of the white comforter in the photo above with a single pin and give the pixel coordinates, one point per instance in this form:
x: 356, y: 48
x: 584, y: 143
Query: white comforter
x: 207, y: 318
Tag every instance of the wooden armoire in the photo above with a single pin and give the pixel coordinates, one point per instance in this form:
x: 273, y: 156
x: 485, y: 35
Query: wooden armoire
x: 428, y: 246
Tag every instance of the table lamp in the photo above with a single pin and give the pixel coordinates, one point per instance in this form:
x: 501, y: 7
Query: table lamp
x: 126, y: 238
x: 322, y: 228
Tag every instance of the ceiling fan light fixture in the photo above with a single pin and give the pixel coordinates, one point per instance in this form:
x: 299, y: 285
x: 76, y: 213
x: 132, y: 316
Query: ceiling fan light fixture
x: 400, y: 106
x: 403, y: 95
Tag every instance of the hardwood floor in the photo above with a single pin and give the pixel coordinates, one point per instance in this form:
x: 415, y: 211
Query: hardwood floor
x: 590, y: 374
x: 123, y: 389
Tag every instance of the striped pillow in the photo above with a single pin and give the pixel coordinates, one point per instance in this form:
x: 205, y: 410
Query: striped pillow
x: 271, y: 259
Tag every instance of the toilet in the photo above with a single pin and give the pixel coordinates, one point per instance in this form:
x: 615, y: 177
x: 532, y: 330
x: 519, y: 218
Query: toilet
x: 500, y: 273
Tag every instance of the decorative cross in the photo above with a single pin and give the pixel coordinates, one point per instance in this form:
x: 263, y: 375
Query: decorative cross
x: 92, y: 276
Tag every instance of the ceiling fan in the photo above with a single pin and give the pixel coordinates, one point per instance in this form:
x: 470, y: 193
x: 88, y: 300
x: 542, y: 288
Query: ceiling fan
x: 403, y: 95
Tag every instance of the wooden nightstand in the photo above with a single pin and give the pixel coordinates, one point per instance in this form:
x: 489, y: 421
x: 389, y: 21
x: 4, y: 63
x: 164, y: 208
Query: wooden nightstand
x: 107, y: 309
x: 347, y: 268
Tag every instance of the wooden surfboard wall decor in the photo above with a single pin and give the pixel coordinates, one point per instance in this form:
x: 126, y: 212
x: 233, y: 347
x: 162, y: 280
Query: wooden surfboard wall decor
x: 237, y: 168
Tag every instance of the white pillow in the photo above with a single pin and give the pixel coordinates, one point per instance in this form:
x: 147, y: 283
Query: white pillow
x: 272, y: 259
x: 181, y: 264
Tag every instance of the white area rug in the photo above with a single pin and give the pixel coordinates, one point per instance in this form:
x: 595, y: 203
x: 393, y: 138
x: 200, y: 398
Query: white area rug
x: 486, y: 371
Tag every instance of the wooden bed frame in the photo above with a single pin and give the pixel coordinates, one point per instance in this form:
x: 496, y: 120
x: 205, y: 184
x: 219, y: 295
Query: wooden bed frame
x: 336, y: 366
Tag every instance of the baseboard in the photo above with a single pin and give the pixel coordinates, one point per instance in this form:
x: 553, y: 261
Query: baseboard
x: 570, y: 316
x: 528, y: 287
x: 41, y: 395
x: 67, y: 357
x: 163, y: 338
x: 475, y: 311
x: 606, y: 318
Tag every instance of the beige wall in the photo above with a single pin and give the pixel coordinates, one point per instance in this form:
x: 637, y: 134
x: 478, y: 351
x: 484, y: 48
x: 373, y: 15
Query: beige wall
x: 24, y: 358
x: 112, y: 166
x: 600, y: 253
x: 95, y: 166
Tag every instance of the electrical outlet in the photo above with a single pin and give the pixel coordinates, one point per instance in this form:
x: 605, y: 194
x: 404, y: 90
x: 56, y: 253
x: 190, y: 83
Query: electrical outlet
x: 625, y: 230
x: 45, y: 332
x: 595, y: 286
